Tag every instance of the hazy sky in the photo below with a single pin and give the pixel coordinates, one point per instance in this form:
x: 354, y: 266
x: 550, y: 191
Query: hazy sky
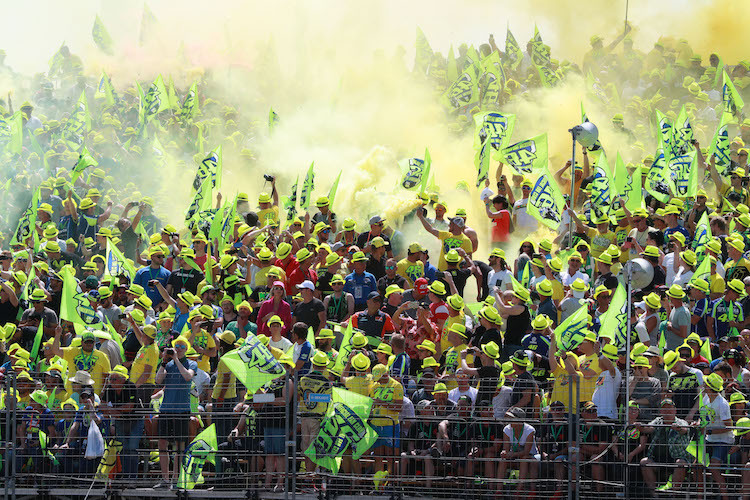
x: 34, y: 30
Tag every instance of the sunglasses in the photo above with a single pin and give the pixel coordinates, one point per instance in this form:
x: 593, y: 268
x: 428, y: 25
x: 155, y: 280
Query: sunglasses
x: 390, y: 267
x: 157, y: 256
x: 89, y: 341
x: 181, y: 347
x: 526, y: 188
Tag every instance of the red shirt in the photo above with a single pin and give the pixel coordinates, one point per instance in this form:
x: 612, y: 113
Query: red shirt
x: 501, y: 227
x: 296, y: 277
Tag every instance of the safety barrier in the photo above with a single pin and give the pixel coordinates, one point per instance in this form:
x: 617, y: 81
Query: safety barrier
x: 471, y: 450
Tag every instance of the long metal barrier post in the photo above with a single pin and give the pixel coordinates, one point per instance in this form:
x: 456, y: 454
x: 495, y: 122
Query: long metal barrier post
x: 10, y: 422
x: 8, y: 446
x: 293, y: 423
x: 578, y: 448
x: 570, y: 437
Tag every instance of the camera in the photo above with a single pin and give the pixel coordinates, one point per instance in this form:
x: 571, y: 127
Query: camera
x: 169, y: 351
x: 629, y: 239
x: 536, y: 256
x: 423, y: 210
x: 269, y: 177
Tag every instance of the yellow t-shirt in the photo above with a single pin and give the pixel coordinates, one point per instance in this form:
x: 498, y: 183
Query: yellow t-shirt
x: 231, y: 384
x: 205, y: 341
x: 147, y: 355
x: 588, y: 385
x: 460, y: 318
x: 268, y: 215
x: 358, y: 384
x: 392, y: 390
x: 600, y: 241
x: 96, y: 363
x: 410, y: 271
x: 448, y: 242
x: 561, y: 387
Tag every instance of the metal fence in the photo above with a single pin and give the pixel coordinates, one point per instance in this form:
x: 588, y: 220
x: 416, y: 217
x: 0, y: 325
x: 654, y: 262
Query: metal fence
x: 467, y: 451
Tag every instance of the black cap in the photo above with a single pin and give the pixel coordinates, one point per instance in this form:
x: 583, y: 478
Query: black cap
x: 375, y: 296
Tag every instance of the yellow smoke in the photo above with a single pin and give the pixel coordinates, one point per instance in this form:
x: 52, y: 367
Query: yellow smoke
x: 345, y: 98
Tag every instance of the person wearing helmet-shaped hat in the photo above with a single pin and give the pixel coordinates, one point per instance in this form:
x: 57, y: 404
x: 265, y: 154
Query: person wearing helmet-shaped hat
x: 268, y: 206
x: 324, y: 214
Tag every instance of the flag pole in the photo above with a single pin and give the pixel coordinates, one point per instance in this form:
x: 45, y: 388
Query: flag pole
x: 627, y: 7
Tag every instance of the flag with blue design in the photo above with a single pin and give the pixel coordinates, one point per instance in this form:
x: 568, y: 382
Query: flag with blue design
x: 253, y: 364
x: 415, y: 172
x: 702, y: 237
x: 570, y: 333
x: 627, y: 185
x: 75, y: 304
x: 105, y: 91
x: 199, y: 451
x: 665, y: 135
x: 290, y: 202
x: 680, y: 169
x: 201, y: 200
x: 720, y: 145
x: 482, y: 163
x: 546, y: 202
x: 101, y: 37
x: 732, y: 99
x: 496, y: 128
x: 602, y: 187
x: 210, y: 167
x: 344, y: 427
x: 189, y: 104
x: 463, y: 94
x: 27, y: 223
x: 658, y: 180
x: 614, y: 321
x: 513, y: 51
x: 682, y: 133
x: 78, y: 124
x: 116, y: 263
x: 526, y: 156
x: 307, y: 187
x: 492, y: 82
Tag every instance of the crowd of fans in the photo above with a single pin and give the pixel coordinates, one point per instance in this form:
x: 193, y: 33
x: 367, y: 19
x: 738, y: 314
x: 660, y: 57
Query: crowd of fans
x: 482, y: 391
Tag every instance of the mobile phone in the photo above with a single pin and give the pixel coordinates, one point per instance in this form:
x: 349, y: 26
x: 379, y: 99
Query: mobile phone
x: 629, y: 239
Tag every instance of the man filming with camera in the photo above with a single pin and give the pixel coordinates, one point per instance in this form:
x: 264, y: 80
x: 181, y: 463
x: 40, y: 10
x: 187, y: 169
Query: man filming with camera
x: 175, y: 375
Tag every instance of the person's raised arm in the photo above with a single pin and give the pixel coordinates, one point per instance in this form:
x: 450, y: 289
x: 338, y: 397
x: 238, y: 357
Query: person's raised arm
x: 579, y: 225
x: 56, y: 349
x: 274, y: 193
x: 715, y: 174
x: 164, y: 295
x: 559, y: 173
x: 426, y: 225
x: 105, y: 215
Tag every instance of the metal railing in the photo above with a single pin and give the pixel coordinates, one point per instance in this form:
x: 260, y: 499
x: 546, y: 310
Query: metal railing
x: 462, y: 452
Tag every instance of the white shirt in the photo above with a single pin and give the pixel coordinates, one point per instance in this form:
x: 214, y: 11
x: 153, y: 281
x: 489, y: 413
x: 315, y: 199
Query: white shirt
x: 524, y: 221
x: 668, y: 265
x: 568, y: 280
x: 606, y: 392
x: 525, y: 434
x: 718, y: 411
x: 501, y: 402
x: 682, y: 277
x: 499, y: 279
x: 456, y: 393
x: 284, y: 344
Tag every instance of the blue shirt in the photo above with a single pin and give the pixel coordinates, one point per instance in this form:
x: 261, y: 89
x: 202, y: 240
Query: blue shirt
x: 429, y: 272
x: 701, y: 310
x: 176, y: 388
x: 180, y: 320
x: 305, y: 355
x: 360, y: 286
x: 677, y: 229
x: 146, y: 274
x: 536, y: 343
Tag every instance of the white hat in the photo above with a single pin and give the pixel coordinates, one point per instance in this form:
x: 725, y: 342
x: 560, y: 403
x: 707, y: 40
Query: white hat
x: 306, y: 284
